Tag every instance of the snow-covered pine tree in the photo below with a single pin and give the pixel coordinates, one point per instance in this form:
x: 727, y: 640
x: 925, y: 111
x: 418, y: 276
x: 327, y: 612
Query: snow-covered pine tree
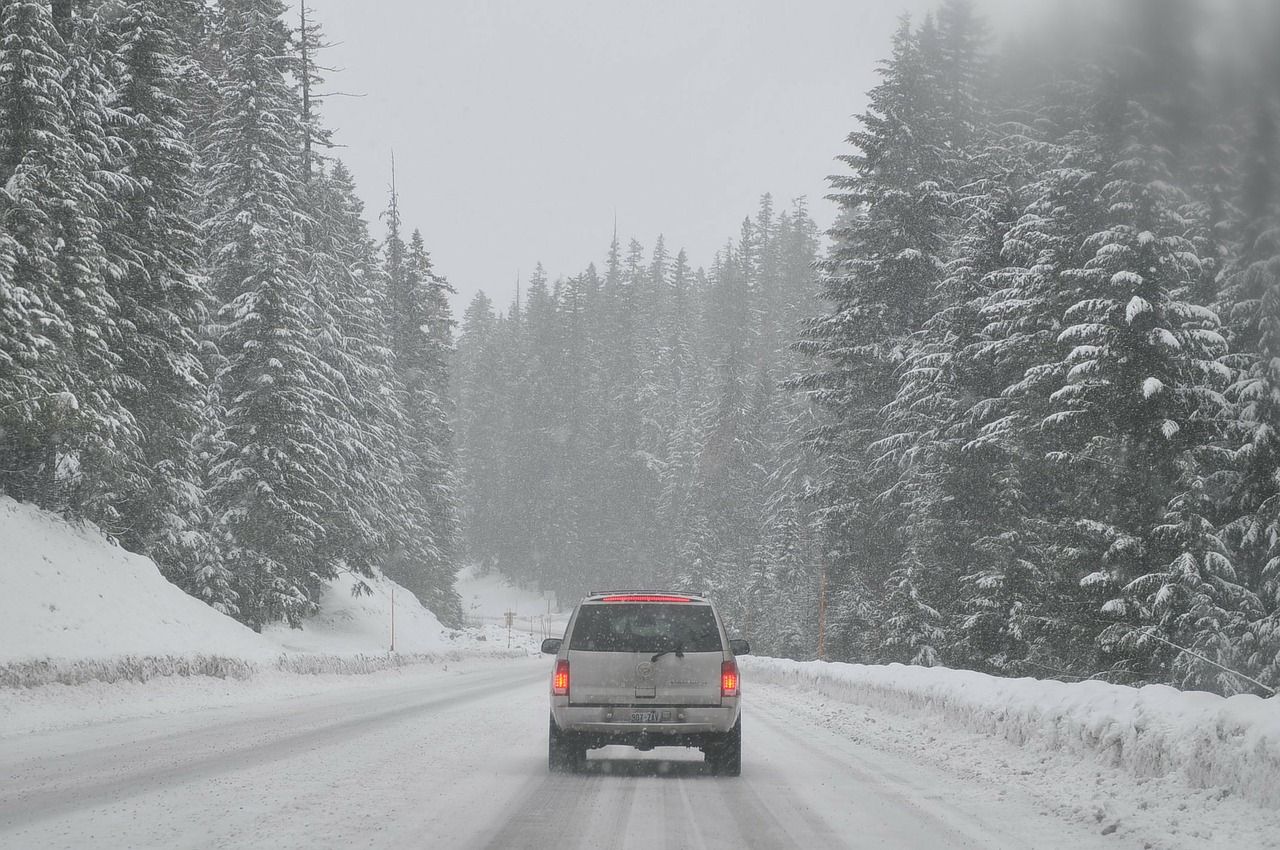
x: 1024, y: 608
x: 945, y: 491
x: 160, y: 296
x: 879, y: 279
x: 379, y: 519
x: 680, y: 382
x: 95, y: 248
x: 445, y: 506
x: 535, y: 458
x: 479, y: 404
x: 422, y: 365
x: 62, y: 414
x: 338, y: 264
x: 1243, y: 633
x: 1139, y: 390
x: 729, y: 480
x: 273, y: 474
x: 36, y: 399
x: 415, y: 557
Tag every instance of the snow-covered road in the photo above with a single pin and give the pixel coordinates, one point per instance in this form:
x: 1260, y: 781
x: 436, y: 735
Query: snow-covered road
x: 423, y: 760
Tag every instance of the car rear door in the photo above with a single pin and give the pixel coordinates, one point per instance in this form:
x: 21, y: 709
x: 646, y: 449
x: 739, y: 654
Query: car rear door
x: 645, y: 651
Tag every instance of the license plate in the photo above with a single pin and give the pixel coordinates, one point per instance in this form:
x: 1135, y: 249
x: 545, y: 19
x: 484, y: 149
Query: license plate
x: 649, y: 716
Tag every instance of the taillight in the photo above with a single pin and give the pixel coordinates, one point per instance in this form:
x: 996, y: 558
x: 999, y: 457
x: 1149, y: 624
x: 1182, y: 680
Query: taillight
x: 560, y: 681
x: 728, y: 679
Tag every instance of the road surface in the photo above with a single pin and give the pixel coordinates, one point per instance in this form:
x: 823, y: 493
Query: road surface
x: 461, y: 762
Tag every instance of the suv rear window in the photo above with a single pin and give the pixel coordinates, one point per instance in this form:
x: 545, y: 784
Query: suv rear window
x: 645, y: 627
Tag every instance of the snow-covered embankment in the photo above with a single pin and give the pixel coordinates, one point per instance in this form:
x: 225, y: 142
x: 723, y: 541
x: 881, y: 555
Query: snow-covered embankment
x: 75, y: 608
x: 1210, y: 741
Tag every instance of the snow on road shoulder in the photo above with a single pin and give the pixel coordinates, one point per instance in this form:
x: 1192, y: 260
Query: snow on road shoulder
x: 1167, y: 768
x: 25, y: 711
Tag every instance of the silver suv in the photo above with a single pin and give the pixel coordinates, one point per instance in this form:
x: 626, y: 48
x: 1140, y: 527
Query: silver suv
x: 646, y: 669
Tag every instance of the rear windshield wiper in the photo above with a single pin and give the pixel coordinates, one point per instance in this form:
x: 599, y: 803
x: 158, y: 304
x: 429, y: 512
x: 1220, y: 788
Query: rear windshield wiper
x: 678, y: 649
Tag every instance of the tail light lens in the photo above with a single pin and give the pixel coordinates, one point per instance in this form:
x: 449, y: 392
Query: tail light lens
x: 728, y: 679
x: 560, y: 681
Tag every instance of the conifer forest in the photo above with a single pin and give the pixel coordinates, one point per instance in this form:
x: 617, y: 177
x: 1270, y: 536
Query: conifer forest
x: 1017, y: 410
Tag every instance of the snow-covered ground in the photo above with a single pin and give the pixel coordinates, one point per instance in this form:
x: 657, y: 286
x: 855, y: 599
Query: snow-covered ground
x: 486, y: 599
x: 1153, y: 765
x: 457, y: 758
x: 90, y: 633
x: 76, y: 608
x: 67, y: 593
x: 350, y: 623
x: 443, y: 743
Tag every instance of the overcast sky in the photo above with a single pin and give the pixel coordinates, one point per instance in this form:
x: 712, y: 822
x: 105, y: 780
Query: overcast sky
x: 520, y: 128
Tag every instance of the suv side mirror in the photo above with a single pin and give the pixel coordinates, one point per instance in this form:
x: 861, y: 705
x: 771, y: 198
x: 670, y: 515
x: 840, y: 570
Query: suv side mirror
x: 739, y: 646
x: 551, y: 646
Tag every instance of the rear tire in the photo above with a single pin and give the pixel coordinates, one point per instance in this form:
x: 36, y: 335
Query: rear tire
x: 724, y: 755
x: 563, y: 754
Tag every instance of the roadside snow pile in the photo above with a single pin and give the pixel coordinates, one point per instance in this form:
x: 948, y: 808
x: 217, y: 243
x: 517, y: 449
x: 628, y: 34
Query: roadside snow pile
x: 75, y: 608
x: 67, y: 593
x: 1210, y: 741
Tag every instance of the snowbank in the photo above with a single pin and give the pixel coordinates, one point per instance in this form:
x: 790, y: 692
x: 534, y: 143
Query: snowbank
x: 75, y: 608
x: 67, y: 593
x: 1210, y: 741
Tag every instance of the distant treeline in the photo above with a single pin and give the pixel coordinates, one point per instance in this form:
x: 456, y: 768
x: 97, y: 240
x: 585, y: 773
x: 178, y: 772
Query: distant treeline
x: 625, y: 427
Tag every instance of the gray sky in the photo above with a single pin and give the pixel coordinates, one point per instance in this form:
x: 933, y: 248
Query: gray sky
x: 519, y: 128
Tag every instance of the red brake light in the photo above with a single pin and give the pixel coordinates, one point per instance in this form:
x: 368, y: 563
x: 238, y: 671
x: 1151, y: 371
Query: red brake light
x: 729, y: 679
x: 632, y: 597
x: 560, y: 681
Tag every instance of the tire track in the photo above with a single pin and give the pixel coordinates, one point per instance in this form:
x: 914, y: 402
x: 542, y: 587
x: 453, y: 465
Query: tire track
x: 543, y: 815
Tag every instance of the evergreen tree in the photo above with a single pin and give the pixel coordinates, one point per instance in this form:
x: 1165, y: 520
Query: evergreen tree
x: 274, y: 477
x: 160, y: 297
x: 480, y: 404
x: 880, y: 282
x: 58, y: 363
x: 37, y: 403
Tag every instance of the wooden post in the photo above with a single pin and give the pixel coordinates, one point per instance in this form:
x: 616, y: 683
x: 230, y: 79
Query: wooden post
x: 393, y: 618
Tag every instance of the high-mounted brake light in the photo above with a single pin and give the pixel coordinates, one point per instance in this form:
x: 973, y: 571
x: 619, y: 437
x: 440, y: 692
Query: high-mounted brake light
x: 560, y: 681
x: 729, y: 679
x: 634, y: 597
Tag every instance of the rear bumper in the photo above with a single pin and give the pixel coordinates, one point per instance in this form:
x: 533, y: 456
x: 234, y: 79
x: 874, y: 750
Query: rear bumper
x: 689, y: 725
